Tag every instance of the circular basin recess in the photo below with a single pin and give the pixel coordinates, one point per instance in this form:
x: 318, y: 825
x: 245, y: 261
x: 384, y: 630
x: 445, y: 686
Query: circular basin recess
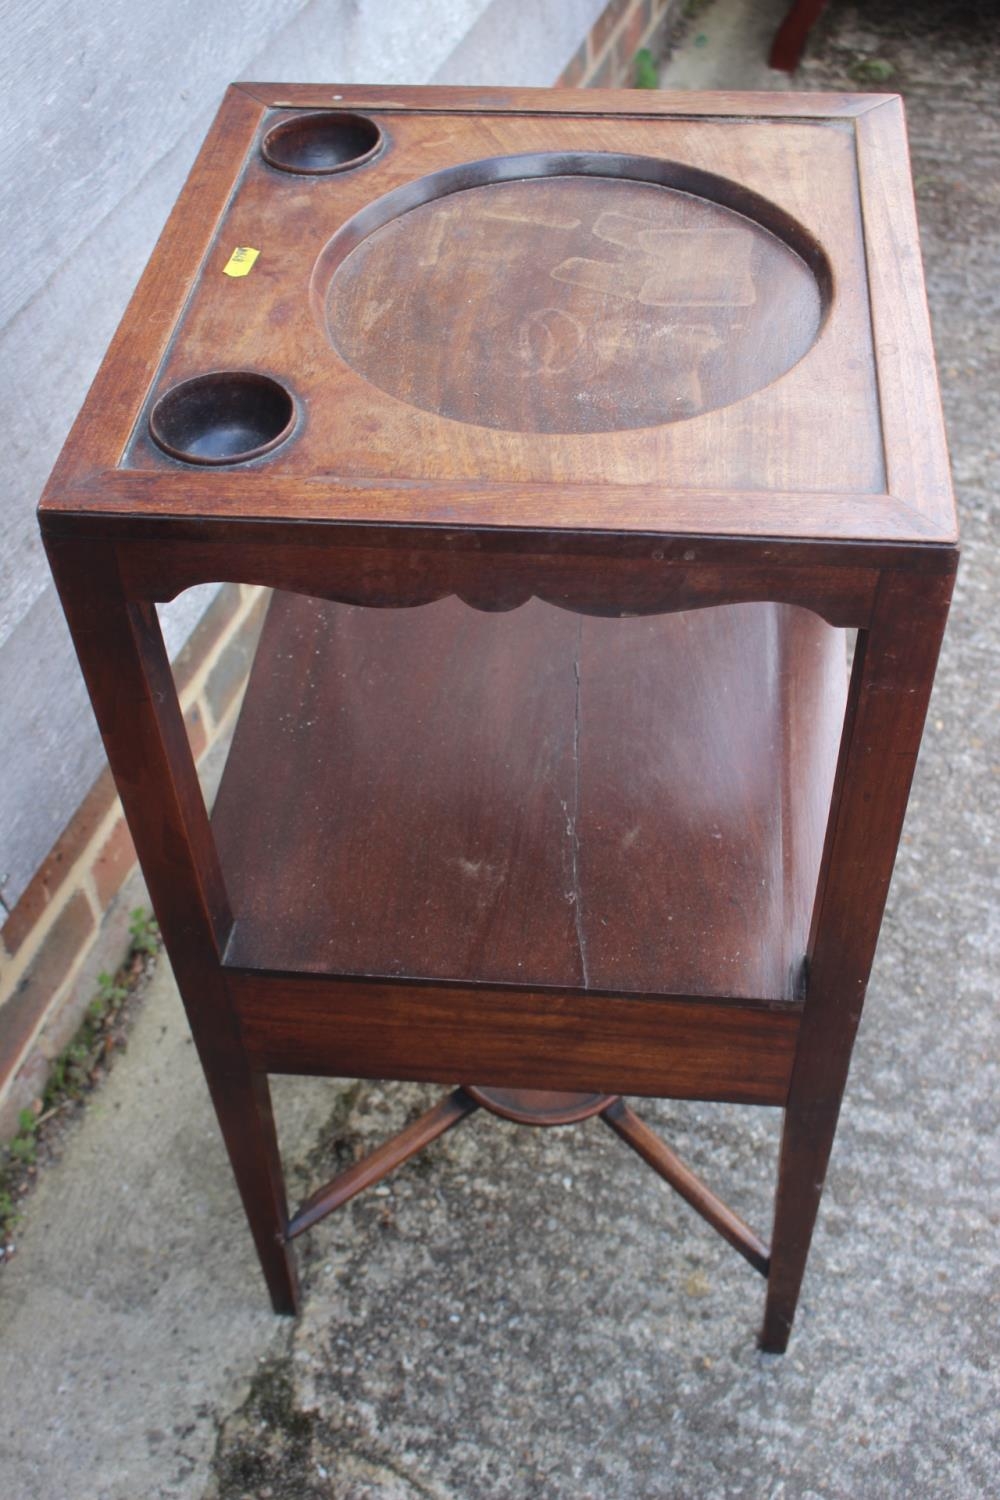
x: 571, y: 294
x: 321, y: 142
x: 225, y: 417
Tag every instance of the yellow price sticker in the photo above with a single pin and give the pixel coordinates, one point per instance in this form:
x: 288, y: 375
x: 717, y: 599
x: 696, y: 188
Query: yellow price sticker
x: 240, y: 263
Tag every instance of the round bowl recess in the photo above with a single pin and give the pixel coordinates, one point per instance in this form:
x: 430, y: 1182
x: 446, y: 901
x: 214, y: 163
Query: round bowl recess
x: 224, y: 417
x: 321, y: 142
x: 571, y: 293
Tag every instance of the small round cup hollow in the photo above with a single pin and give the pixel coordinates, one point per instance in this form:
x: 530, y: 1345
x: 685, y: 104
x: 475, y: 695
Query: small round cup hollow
x: 322, y: 142
x: 226, y: 417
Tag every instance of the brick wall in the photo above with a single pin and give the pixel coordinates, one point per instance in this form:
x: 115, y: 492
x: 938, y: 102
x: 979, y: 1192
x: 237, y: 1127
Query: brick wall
x: 605, y: 58
x: 72, y: 920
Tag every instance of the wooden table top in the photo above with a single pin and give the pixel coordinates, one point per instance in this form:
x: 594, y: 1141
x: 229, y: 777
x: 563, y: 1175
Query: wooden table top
x: 615, y: 313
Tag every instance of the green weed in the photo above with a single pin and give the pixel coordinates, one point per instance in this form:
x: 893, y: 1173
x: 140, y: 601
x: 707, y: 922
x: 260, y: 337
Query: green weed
x: 144, y: 931
x: 645, y: 73
x: 871, y: 70
x: 73, y: 1072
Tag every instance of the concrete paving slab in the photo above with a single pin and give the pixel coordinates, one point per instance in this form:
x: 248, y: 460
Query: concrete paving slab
x: 725, y: 45
x: 131, y: 1310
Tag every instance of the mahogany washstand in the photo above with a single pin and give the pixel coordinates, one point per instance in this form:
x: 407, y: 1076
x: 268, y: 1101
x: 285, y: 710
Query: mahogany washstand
x: 620, y: 409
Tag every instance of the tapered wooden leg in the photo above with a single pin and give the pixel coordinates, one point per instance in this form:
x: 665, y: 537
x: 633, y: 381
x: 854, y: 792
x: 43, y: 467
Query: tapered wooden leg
x: 806, y: 1143
x: 893, y: 670
x: 242, y: 1102
x: 123, y: 659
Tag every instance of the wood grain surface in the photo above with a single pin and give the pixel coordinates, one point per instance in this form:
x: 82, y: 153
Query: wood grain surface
x: 532, y: 798
x: 760, y: 448
x: 506, y: 1037
x: 276, y: 319
x: 571, y: 304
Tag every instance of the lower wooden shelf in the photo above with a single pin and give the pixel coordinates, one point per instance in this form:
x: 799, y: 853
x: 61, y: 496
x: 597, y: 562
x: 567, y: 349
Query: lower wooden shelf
x: 535, y: 798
